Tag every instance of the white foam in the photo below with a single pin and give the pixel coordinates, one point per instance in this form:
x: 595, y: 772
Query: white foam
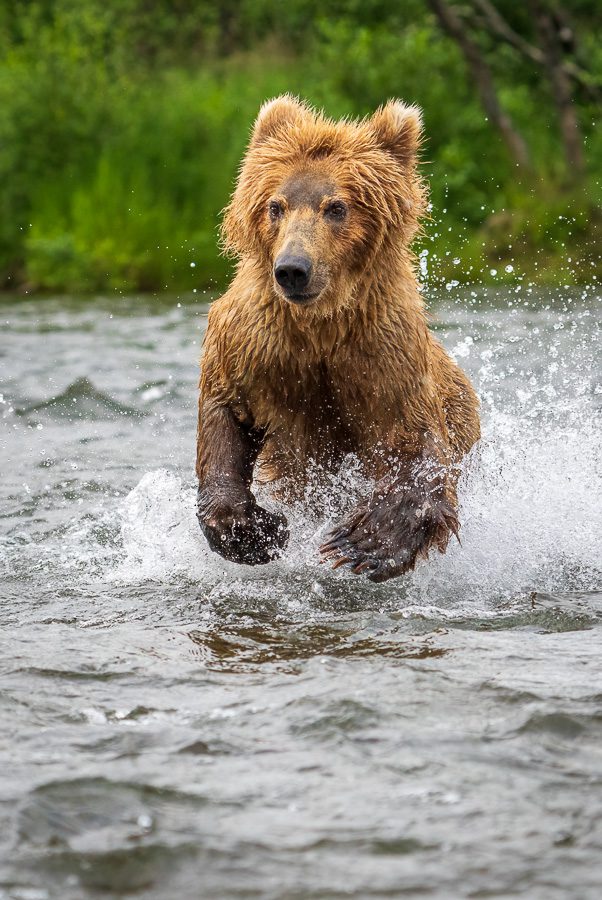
x: 162, y: 539
x: 531, y: 516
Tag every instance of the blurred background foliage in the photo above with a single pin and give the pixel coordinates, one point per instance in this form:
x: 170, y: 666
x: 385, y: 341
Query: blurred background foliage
x: 122, y: 124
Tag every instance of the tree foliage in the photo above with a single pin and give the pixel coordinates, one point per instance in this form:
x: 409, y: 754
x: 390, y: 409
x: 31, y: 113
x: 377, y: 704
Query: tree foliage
x: 122, y: 123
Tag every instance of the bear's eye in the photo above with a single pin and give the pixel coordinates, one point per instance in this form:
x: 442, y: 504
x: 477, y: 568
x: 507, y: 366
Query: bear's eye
x: 275, y: 210
x: 336, y: 210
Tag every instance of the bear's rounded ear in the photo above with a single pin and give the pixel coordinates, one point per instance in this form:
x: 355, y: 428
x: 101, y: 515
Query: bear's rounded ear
x: 398, y: 129
x: 283, y: 110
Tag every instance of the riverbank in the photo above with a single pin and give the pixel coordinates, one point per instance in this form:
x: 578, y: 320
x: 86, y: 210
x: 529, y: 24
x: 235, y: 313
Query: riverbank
x: 122, y: 128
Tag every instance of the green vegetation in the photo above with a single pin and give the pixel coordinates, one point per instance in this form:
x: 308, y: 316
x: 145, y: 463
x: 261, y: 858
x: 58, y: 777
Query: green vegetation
x: 122, y: 124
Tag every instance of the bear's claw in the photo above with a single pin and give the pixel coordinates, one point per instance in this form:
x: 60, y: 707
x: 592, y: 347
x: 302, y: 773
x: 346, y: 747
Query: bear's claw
x: 388, y: 539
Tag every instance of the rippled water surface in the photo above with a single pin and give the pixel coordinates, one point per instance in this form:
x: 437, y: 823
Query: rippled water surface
x: 174, y: 726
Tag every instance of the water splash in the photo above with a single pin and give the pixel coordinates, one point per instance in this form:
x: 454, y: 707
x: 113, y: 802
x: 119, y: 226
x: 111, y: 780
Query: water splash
x: 530, y: 512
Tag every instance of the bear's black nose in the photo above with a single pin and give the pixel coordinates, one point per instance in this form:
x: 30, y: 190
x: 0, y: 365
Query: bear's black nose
x: 292, y: 273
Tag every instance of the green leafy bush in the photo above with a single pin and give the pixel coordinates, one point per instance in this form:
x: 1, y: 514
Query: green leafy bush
x: 122, y: 125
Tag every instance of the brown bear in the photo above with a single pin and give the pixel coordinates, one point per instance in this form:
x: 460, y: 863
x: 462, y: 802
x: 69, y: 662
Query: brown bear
x: 320, y: 347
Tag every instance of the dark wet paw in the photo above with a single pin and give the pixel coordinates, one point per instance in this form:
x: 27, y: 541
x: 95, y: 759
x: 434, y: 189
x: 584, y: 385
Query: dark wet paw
x: 387, y: 540
x: 243, y: 532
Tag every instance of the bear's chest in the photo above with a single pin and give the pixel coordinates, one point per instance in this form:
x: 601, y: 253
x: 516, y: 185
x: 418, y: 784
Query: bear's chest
x: 308, y: 428
x: 300, y: 399
x: 316, y: 411
x: 345, y: 394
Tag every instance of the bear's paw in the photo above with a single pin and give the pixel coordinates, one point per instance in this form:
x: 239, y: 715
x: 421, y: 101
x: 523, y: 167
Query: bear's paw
x: 386, y: 538
x: 242, y: 532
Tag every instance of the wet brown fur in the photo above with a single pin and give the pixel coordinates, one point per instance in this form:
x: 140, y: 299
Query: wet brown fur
x: 355, y: 370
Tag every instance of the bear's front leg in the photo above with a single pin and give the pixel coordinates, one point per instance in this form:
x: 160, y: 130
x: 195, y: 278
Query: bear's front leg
x: 234, y: 524
x: 406, y: 516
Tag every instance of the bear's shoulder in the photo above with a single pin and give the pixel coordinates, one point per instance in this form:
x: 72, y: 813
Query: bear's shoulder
x: 243, y: 331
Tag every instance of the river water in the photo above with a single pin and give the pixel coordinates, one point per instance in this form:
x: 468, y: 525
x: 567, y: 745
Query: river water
x: 175, y: 726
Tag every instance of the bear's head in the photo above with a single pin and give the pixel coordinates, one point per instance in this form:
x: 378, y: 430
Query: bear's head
x: 317, y: 200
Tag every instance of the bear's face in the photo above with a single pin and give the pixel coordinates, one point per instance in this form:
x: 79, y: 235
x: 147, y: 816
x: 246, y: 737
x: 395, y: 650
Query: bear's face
x: 317, y: 200
x: 309, y: 229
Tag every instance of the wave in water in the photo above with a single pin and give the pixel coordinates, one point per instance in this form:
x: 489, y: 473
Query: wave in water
x: 81, y: 400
